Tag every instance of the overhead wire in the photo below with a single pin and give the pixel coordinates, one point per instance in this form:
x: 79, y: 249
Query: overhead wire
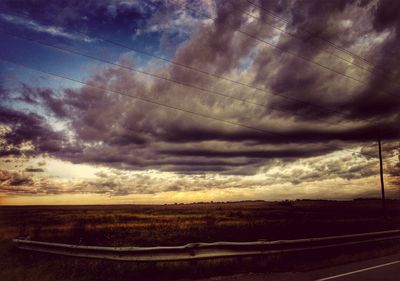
x: 138, y: 71
x: 289, y: 98
x: 176, y: 108
x: 204, y: 90
x: 309, y: 32
x: 373, y: 68
x: 63, y: 49
x: 283, y: 50
x: 323, y: 50
x: 318, y: 107
x: 186, y: 111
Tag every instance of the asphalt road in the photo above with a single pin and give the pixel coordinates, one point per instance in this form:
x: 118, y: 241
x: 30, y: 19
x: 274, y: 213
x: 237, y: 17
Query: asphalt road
x: 379, y: 269
x: 389, y: 271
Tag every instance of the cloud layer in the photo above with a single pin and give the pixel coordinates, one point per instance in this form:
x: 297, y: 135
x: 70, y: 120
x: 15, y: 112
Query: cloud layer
x: 304, y: 96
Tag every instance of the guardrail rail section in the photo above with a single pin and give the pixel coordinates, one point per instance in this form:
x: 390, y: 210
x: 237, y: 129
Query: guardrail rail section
x: 197, y: 251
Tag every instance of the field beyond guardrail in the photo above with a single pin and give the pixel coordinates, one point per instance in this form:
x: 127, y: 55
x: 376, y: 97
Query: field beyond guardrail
x: 197, y: 251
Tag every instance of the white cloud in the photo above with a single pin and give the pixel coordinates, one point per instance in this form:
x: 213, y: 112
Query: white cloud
x: 49, y: 29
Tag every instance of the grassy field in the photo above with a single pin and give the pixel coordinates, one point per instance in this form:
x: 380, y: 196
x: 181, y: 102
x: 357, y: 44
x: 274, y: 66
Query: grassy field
x: 147, y: 225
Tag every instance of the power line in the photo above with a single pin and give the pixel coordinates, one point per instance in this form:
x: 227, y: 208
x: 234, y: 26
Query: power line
x: 74, y: 52
x: 175, y: 108
x: 207, y: 73
x: 372, y: 69
x: 186, y: 111
x: 207, y: 91
x: 139, y: 98
x: 381, y: 178
x: 315, y: 47
x: 309, y: 32
x: 226, y: 79
x: 210, y: 92
x: 283, y: 50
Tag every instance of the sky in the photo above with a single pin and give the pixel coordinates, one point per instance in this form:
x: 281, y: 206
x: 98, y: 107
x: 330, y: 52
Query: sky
x: 144, y: 101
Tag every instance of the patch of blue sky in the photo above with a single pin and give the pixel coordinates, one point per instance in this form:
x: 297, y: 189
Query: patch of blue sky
x: 75, y: 66
x: 36, y: 55
x: 149, y: 42
x: 143, y: 48
x: 247, y: 61
x: 47, y: 59
x: 52, y: 35
x: 110, y: 28
x: 13, y: 102
x: 175, y: 40
x: 16, y: 101
x: 13, y: 77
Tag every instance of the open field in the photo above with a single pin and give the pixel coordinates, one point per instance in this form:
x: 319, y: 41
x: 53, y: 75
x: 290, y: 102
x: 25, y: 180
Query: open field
x: 149, y: 225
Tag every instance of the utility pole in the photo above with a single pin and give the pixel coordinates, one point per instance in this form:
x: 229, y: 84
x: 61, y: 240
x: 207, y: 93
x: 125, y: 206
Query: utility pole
x: 382, y: 182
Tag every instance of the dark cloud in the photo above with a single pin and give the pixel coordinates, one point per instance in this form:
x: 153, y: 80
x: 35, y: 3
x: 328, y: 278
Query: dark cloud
x: 387, y: 15
x: 34, y: 170
x: 109, y: 129
x: 20, y: 183
x: 312, y: 20
x: 28, y: 127
x: 14, y: 179
x: 286, y: 153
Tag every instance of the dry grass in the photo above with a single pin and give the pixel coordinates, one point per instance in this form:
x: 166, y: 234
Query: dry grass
x: 180, y: 224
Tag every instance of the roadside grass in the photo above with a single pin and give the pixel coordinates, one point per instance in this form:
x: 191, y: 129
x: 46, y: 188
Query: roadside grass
x: 181, y: 224
x: 132, y: 225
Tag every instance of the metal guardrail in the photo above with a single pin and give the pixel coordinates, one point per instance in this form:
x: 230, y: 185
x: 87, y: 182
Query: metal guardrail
x: 197, y: 251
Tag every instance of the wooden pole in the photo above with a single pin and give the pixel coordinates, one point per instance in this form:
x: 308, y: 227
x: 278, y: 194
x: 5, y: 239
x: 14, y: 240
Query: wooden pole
x: 382, y: 181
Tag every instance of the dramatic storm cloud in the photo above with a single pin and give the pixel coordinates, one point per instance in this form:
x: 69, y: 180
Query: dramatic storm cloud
x: 279, y: 99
